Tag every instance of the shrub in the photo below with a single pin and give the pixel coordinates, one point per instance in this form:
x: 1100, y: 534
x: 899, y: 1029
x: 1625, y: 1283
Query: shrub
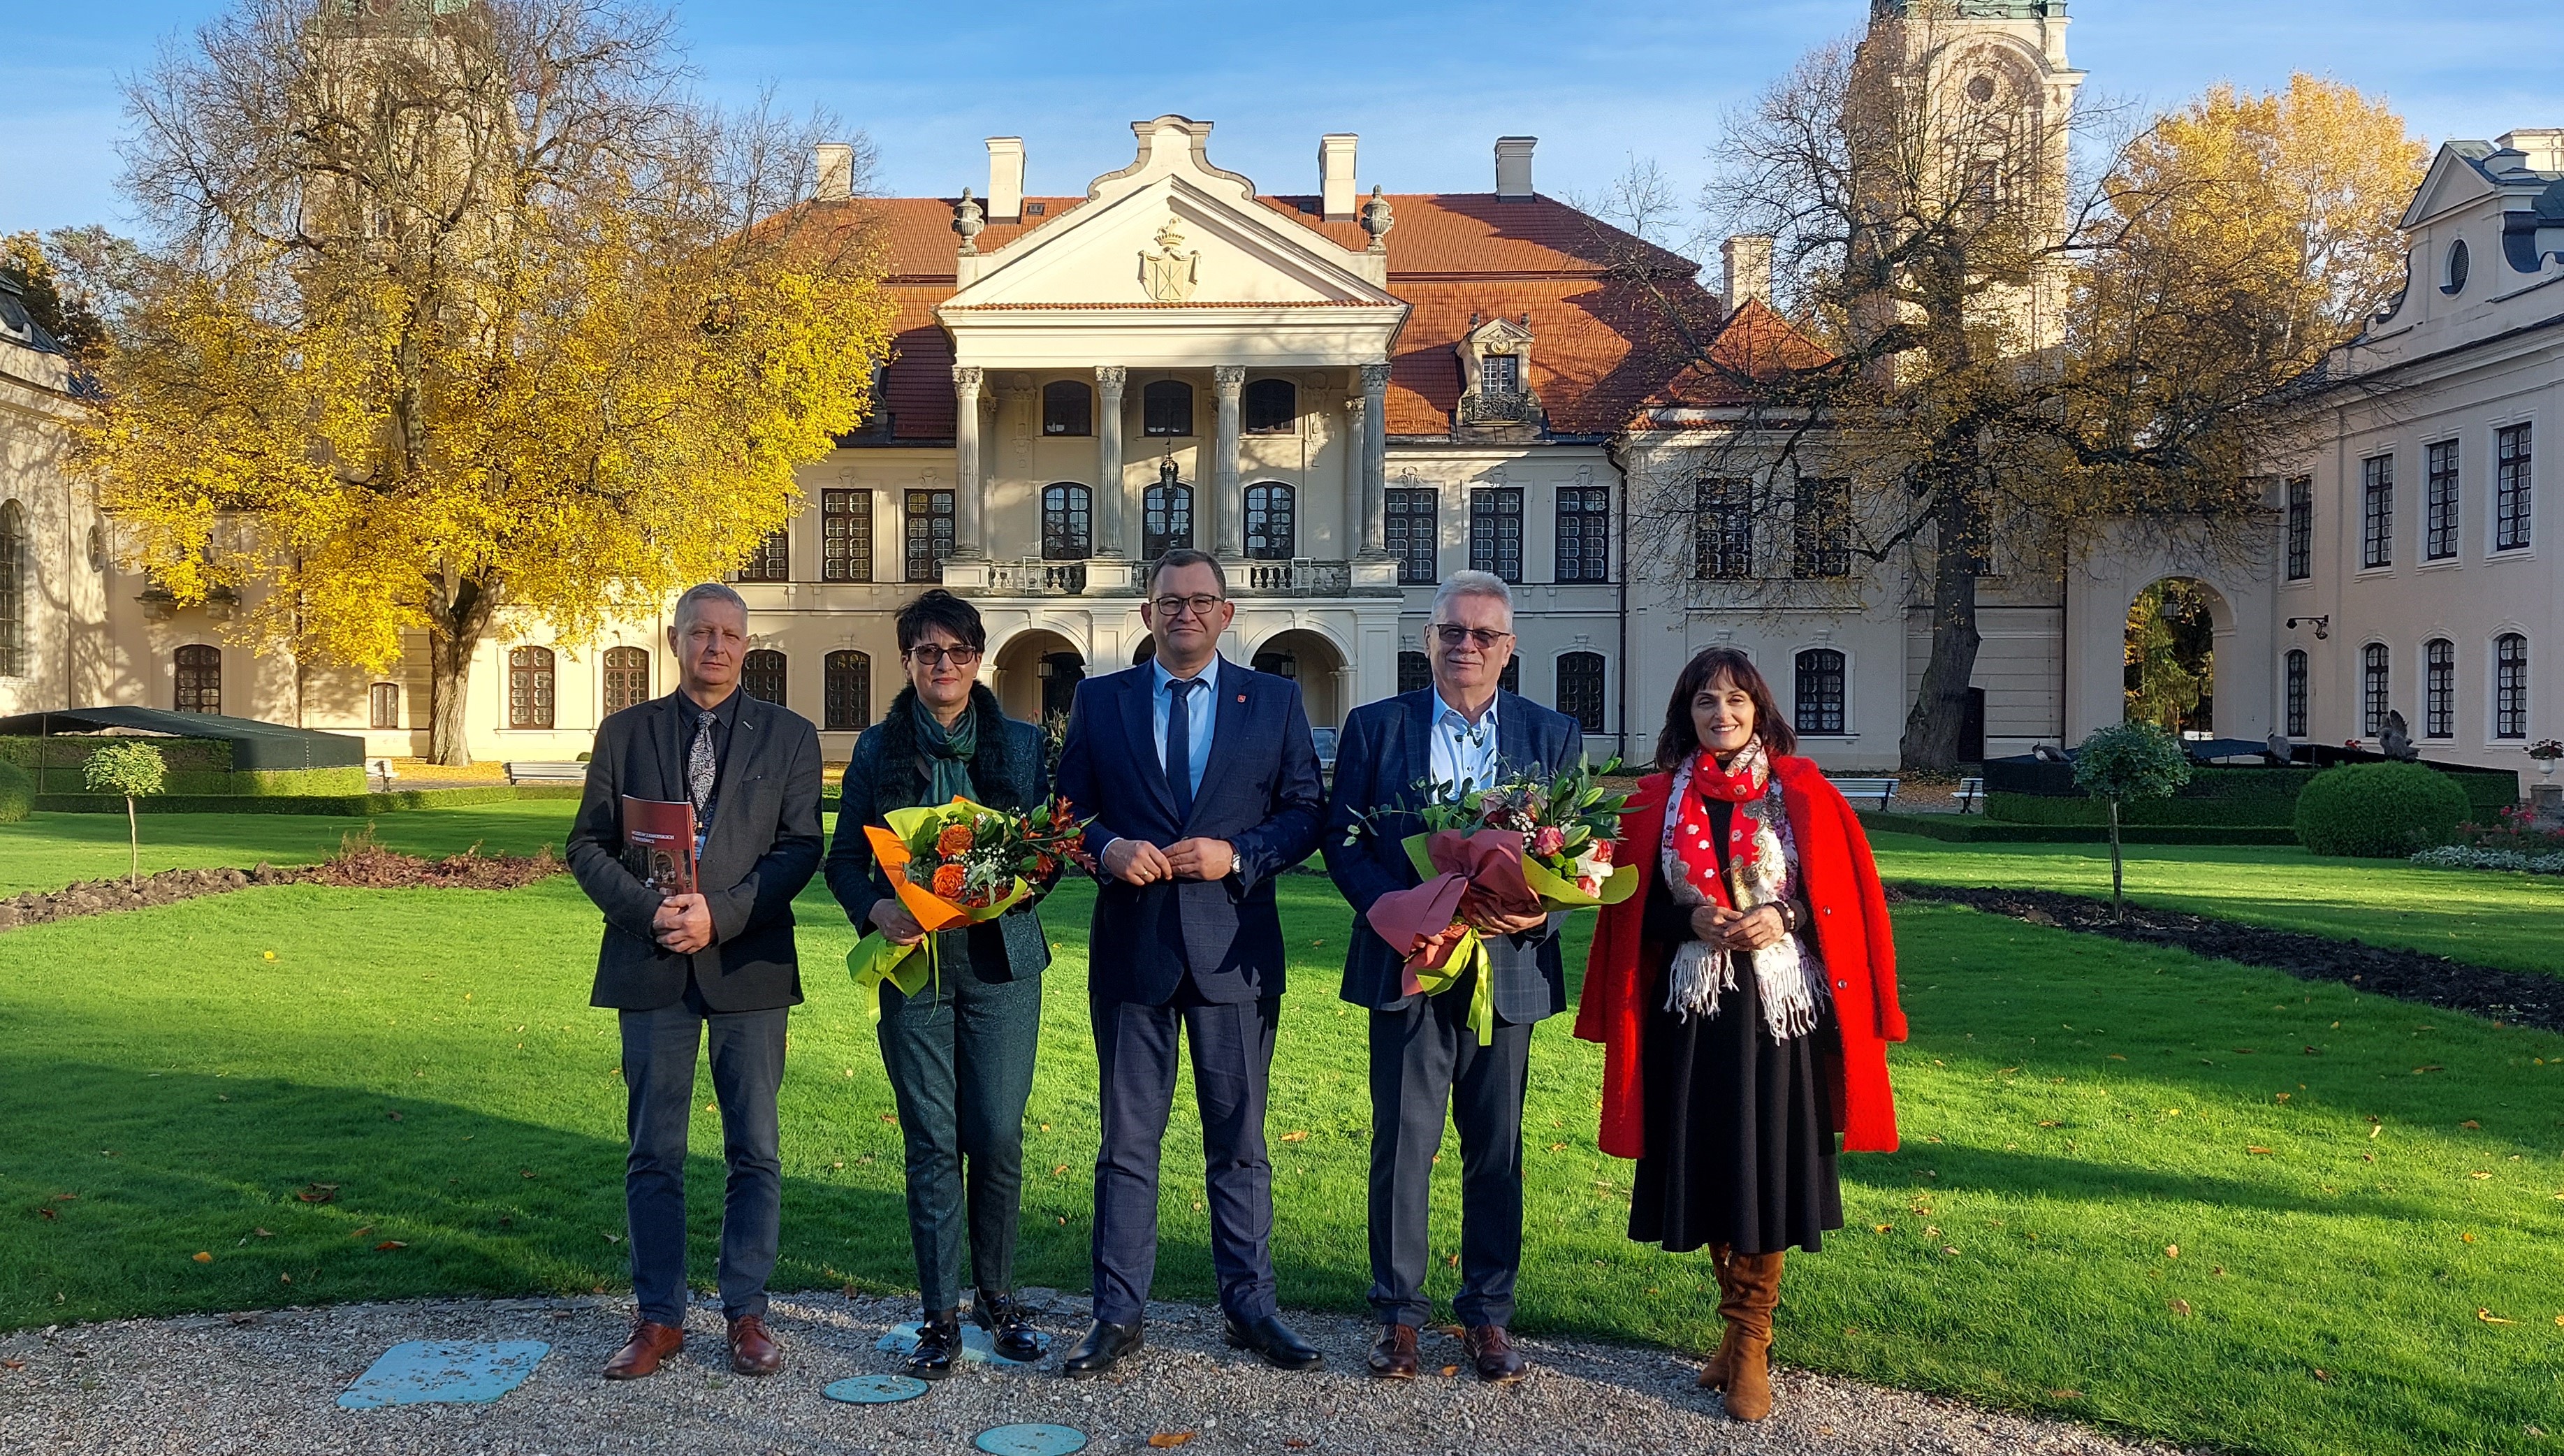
x: 134, y: 769
x: 2125, y: 763
x: 17, y: 792
x: 2379, y: 810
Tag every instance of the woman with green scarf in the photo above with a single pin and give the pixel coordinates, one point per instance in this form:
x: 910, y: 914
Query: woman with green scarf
x: 959, y: 1052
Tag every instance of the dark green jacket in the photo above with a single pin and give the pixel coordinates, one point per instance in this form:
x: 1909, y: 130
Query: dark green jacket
x: 1008, y: 770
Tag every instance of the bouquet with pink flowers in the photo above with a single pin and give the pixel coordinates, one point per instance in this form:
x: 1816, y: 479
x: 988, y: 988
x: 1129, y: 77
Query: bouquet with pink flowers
x: 1524, y: 844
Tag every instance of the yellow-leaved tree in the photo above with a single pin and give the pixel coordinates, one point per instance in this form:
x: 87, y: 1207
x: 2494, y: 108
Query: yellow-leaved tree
x: 463, y: 307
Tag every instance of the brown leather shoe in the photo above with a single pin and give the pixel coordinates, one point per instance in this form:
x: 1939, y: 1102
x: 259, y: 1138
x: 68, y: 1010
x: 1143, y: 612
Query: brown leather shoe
x: 1493, y: 1353
x: 751, y: 1348
x: 640, y: 1356
x: 1392, y: 1356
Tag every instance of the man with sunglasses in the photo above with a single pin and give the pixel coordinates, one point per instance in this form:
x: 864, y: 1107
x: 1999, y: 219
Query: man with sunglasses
x: 1424, y: 1057
x: 1203, y: 781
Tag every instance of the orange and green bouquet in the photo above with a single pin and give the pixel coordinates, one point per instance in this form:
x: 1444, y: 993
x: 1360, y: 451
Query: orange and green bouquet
x: 959, y: 864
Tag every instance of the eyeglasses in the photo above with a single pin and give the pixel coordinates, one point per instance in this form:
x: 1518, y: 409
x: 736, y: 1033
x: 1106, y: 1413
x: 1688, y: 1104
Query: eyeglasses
x: 935, y: 657
x: 1484, y: 638
x: 1172, y: 607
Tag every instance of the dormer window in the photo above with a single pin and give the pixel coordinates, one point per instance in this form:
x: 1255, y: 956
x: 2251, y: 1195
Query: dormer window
x: 1500, y: 374
x: 2458, y: 264
x: 1495, y: 379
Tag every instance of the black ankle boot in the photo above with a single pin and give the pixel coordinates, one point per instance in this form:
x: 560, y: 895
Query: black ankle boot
x: 1009, y: 1325
x: 939, y: 1345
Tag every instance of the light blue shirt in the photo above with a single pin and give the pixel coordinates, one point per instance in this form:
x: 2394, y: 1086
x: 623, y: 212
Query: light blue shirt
x: 1201, y: 713
x: 1463, y: 752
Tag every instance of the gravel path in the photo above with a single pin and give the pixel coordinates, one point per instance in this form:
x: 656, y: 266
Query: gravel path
x: 268, y: 1384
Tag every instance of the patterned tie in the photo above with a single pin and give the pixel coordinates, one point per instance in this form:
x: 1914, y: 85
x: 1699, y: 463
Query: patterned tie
x: 701, y: 769
x: 1180, y: 745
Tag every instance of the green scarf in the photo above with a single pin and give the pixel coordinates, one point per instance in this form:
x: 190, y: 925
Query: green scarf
x: 947, y: 753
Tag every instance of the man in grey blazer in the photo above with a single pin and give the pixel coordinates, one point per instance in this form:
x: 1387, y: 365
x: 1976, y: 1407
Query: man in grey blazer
x: 718, y: 964
x: 1423, y: 1055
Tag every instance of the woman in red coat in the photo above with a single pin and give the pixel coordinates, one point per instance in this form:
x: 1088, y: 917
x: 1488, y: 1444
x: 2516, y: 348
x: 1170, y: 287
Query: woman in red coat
x: 1745, y: 999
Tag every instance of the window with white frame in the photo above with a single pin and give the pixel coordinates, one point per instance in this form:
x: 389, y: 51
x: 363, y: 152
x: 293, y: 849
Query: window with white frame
x: 2510, y: 685
x: 2377, y: 511
x: 2372, y: 686
x: 2438, y: 689
x: 2510, y: 488
x: 2296, y: 672
x: 1819, y: 692
x: 2439, y: 502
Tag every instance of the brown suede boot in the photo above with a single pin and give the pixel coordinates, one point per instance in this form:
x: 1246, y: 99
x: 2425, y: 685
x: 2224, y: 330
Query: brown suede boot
x: 1713, y: 1375
x: 1749, y: 1377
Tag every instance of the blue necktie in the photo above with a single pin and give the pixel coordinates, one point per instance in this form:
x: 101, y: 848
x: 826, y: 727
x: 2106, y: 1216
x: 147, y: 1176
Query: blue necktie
x: 1179, y: 745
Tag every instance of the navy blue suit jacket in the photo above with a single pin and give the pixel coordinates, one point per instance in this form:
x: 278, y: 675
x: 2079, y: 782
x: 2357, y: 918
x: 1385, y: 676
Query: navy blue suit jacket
x: 1260, y: 792
x: 1386, y: 749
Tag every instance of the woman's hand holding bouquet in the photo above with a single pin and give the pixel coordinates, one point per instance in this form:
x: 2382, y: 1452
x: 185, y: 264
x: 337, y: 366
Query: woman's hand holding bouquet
x: 957, y: 864
x: 1506, y: 854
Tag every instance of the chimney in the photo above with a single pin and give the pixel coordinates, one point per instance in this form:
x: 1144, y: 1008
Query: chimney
x: 1748, y: 270
x: 836, y: 163
x: 2544, y: 146
x: 1336, y: 195
x: 1513, y: 165
x: 1006, y: 179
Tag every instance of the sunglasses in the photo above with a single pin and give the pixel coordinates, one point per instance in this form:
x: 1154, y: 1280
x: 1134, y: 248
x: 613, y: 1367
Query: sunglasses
x: 1484, y: 638
x: 935, y: 657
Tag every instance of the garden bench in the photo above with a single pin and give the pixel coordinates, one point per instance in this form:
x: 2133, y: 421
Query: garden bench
x: 379, y: 772
x: 546, y: 773
x: 1970, y: 792
x: 1882, y: 790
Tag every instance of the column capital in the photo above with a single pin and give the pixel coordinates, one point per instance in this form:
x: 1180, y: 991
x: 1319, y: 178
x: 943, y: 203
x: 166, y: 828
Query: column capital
x: 967, y: 377
x: 1229, y: 378
x: 1112, y: 377
x: 1375, y: 378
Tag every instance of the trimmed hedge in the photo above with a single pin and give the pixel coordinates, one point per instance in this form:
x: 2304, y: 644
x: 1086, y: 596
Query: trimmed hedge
x: 344, y: 805
x: 2379, y: 810
x: 198, y: 767
x: 2221, y: 797
x: 1969, y: 829
x: 17, y: 792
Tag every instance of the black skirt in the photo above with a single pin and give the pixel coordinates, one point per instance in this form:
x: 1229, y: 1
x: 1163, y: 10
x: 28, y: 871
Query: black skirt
x: 1741, y: 1142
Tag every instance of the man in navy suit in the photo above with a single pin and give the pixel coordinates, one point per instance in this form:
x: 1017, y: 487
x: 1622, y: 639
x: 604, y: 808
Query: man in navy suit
x: 1423, y: 1054
x: 1204, y: 784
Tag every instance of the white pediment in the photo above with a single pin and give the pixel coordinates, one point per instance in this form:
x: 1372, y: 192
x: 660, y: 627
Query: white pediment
x: 2453, y: 181
x: 1170, y: 231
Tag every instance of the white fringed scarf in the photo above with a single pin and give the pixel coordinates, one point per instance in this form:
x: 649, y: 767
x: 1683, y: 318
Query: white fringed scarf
x: 1765, y: 871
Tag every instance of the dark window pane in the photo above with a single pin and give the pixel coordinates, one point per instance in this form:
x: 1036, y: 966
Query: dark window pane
x: 1068, y: 408
x: 1165, y: 519
x: 2373, y: 685
x: 1411, y: 532
x: 1270, y: 407
x: 13, y: 590
x: 929, y: 533
x: 2440, y: 506
x: 2377, y: 511
x: 1414, y: 672
x: 847, y: 694
x: 1067, y: 523
x: 530, y: 688
x: 2510, y: 685
x: 1271, y: 533
x: 2510, y: 491
x: 1822, y: 529
x: 627, y: 677
x: 382, y: 705
x: 1580, y: 689
x: 1585, y: 533
x: 1166, y: 408
x: 773, y: 560
x: 1495, y: 531
x: 2296, y: 672
x: 2301, y: 529
x: 845, y: 535
x: 1723, y: 531
x: 1500, y: 374
x: 2440, y: 689
x: 760, y: 674
x: 1819, y: 692
x: 1510, y: 679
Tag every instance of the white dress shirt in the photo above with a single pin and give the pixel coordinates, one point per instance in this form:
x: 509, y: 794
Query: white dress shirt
x: 1463, y: 752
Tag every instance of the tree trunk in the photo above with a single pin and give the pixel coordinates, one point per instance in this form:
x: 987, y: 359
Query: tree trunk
x: 133, y: 840
x: 1940, y: 713
x: 455, y: 628
x: 2119, y: 902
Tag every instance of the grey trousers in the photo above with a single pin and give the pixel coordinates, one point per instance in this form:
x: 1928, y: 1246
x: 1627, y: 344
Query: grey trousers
x: 1423, y: 1059
x: 659, y: 1049
x: 961, y: 1060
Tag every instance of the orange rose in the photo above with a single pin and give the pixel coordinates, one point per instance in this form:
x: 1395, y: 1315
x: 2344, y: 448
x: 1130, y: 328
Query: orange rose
x: 949, y: 879
x: 955, y: 840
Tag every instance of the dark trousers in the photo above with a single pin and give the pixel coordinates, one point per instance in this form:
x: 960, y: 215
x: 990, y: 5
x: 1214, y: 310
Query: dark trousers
x: 961, y: 1060
x: 659, y: 1049
x: 1232, y: 1054
x: 1424, y: 1057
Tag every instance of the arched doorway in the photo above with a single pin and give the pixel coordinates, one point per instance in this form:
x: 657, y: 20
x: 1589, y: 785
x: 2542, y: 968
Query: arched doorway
x: 2171, y: 656
x: 1310, y: 660
x: 1035, y: 675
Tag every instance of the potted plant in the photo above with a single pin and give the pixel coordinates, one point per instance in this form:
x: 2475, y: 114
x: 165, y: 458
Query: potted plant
x: 2546, y: 751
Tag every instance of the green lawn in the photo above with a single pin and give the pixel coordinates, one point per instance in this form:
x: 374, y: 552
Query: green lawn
x: 2074, y: 1110
x: 49, y: 851
x: 2509, y: 920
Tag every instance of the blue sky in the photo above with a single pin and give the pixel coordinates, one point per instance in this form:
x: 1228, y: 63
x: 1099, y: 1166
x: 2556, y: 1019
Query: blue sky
x: 1429, y: 87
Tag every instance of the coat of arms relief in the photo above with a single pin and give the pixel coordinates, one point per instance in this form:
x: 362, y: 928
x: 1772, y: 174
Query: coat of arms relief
x: 1170, y: 273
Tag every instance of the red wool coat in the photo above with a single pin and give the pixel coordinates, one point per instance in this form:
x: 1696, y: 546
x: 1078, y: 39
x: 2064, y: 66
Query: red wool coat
x: 1624, y: 977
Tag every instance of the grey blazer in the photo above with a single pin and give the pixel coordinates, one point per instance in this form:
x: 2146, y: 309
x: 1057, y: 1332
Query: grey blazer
x: 1011, y: 772
x: 764, y: 843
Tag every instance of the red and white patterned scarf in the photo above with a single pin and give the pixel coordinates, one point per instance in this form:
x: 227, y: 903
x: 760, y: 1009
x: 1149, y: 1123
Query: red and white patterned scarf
x: 1762, y: 869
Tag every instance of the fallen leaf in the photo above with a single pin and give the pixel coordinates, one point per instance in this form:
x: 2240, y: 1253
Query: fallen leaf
x: 1450, y: 1370
x: 360, y: 1231
x: 1055, y: 1173
x: 2007, y: 1071
x: 67, y: 1198
x: 2490, y: 1318
x: 1164, y: 1439
x: 262, y: 1233
x: 2180, y: 1307
x: 1045, y: 1126
x: 1887, y: 1228
x: 2172, y: 1251
x: 387, y: 1245
x: 1296, y: 1135
x: 202, y: 1257
x: 2115, y: 1057
x: 285, y: 1278
x: 46, y: 1213
x: 318, y: 1192
x: 2065, y: 1394
x: 2248, y: 1149
x: 2478, y: 1175
x: 612, y: 1238
x: 395, y: 1115
x: 890, y: 1117
x: 2471, y: 1123
x: 1947, y: 1249
x: 2323, y: 1374
x: 2434, y: 1067
x: 2373, y: 1131
x: 526, y: 1172
x: 2051, y: 1125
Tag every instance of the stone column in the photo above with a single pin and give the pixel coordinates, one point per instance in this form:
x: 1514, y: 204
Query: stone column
x: 1374, y: 461
x: 968, y: 480
x: 1108, y: 485
x: 1227, y: 510
x: 1357, y: 457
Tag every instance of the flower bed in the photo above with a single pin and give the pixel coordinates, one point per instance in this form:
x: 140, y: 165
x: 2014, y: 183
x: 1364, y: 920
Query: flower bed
x: 2474, y: 857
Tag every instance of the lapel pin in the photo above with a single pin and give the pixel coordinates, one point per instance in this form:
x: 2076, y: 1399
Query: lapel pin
x: 1241, y: 696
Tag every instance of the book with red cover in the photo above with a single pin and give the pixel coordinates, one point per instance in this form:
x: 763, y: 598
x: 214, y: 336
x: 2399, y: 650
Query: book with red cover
x: 659, y: 843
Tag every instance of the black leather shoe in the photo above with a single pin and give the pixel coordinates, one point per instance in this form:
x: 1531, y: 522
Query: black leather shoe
x: 1099, y: 1349
x: 939, y: 1345
x: 1009, y: 1326
x: 1275, y: 1342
